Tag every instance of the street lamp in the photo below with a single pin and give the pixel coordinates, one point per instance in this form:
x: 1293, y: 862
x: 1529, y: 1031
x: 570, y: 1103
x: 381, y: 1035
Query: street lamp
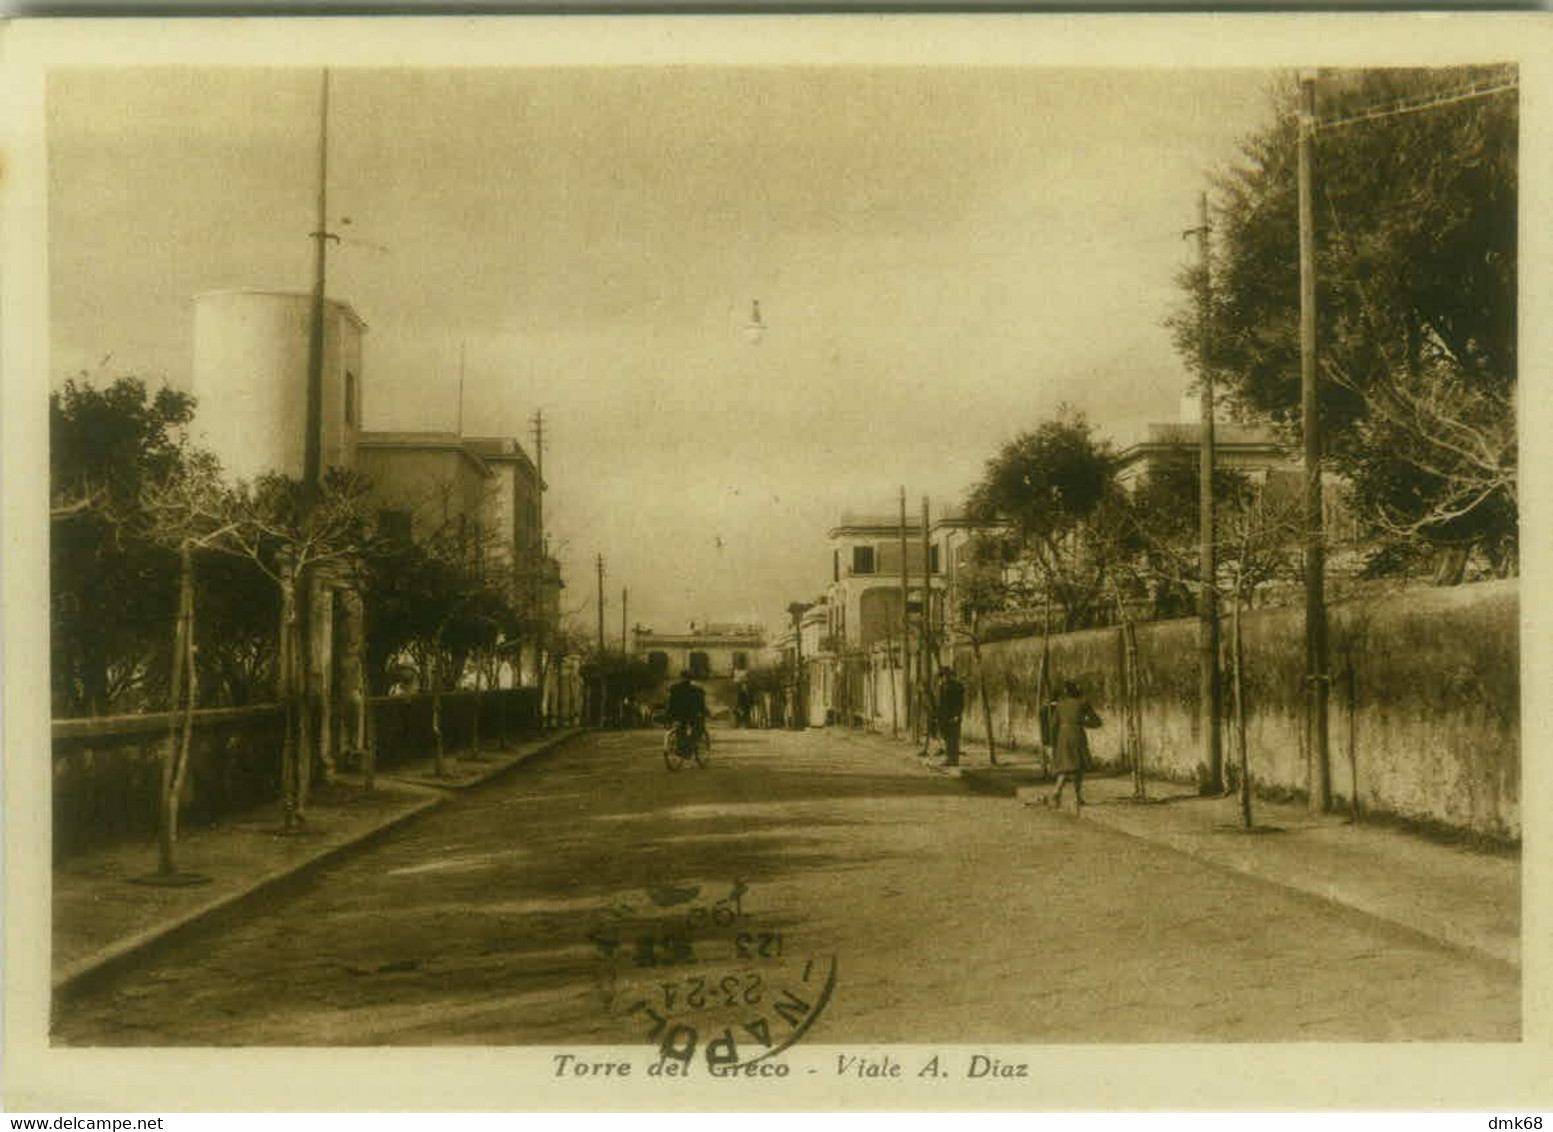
x: 755, y: 329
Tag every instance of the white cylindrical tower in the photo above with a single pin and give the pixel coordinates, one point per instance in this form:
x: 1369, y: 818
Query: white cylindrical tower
x: 250, y: 378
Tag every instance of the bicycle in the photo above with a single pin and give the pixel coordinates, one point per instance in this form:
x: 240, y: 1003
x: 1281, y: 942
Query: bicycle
x: 682, y: 743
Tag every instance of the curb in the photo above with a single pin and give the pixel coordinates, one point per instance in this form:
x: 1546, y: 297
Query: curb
x: 101, y: 966
x: 1333, y: 893
x: 86, y: 973
x: 1437, y: 929
x: 490, y: 773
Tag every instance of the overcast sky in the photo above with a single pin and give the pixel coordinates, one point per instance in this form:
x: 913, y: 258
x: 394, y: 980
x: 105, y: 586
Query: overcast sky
x: 941, y: 256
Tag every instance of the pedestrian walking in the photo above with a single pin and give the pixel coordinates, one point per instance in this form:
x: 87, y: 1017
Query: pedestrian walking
x: 1072, y: 716
x: 951, y: 706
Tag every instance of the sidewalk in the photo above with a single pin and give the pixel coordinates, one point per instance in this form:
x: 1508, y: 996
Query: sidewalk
x: 1454, y: 895
x: 103, y: 918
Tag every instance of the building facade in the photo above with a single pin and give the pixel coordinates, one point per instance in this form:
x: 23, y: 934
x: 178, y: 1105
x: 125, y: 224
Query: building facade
x: 864, y: 597
x: 430, y: 486
x: 1252, y: 450
x: 706, y: 652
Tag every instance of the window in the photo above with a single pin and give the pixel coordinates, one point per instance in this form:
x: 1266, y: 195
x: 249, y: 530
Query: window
x: 835, y: 565
x: 741, y: 660
x: 862, y: 560
x: 700, y: 665
x: 932, y: 559
x: 350, y: 397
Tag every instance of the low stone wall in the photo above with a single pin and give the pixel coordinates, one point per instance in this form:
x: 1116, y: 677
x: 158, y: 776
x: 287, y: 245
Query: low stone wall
x: 402, y: 724
x: 1425, y: 701
x: 107, y: 771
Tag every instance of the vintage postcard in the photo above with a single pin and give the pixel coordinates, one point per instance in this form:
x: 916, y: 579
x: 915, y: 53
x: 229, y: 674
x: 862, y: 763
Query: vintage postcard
x: 791, y: 562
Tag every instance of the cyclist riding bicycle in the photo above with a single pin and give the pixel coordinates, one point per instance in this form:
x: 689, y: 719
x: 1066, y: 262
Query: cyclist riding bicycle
x: 687, y: 707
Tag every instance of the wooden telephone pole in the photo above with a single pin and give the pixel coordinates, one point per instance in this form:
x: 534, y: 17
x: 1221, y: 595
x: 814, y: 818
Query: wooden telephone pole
x: 911, y: 716
x: 1318, y: 752
x: 599, y: 565
x: 1208, y: 602
x: 539, y: 476
x: 924, y: 659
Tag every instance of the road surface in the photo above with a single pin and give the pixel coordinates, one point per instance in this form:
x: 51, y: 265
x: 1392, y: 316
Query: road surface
x: 574, y: 901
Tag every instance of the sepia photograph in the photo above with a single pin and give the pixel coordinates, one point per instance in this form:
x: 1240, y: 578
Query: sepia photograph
x: 766, y: 576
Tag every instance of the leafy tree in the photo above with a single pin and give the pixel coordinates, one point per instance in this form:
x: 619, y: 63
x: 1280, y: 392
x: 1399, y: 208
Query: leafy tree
x: 1167, y: 503
x: 983, y: 587
x: 619, y: 677
x: 112, y: 591
x: 1050, y: 486
x: 289, y: 531
x: 446, y: 603
x: 1415, y: 217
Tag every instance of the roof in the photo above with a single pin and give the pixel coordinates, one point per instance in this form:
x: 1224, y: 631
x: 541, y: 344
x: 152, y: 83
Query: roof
x: 422, y: 442
x: 853, y: 523
x: 1241, y: 438
x: 746, y: 635
x: 501, y: 450
x: 263, y: 292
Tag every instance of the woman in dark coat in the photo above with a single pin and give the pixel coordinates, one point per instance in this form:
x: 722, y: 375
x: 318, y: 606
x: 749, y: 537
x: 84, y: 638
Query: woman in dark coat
x: 1073, y: 715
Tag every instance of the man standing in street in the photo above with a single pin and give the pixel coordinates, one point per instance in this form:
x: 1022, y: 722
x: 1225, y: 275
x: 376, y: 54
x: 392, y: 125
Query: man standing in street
x: 951, y: 705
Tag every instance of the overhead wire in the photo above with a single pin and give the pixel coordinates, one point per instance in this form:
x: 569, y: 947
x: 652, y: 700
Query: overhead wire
x: 1399, y: 108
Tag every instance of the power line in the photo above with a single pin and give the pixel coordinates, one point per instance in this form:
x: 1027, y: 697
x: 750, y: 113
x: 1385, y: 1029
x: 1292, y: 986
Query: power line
x: 1414, y: 107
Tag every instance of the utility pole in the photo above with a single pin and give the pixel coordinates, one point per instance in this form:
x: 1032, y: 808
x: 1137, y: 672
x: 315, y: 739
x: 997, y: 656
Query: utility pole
x: 459, y: 429
x: 537, y: 570
x: 312, y: 444
x: 796, y: 610
x: 905, y: 620
x: 1318, y: 754
x: 598, y: 701
x: 927, y: 603
x: 539, y: 476
x: 599, y: 563
x: 1208, y: 603
x: 624, y: 597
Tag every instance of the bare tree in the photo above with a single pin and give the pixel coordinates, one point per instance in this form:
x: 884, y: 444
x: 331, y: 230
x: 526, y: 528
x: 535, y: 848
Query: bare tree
x: 288, y: 530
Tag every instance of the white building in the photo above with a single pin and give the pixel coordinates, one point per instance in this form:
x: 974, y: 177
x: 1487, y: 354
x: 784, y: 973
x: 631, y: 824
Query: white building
x: 250, y: 377
x: 706, y: 652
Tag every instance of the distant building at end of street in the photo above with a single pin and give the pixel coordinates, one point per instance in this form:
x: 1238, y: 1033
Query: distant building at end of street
x: 706, y: 651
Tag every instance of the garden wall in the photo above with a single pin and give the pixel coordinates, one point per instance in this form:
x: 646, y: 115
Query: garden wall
x: 107, y: 771
x: 1425, y: 702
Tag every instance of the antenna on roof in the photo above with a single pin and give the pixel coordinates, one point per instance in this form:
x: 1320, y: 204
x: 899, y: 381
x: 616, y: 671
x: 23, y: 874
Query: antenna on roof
x: 460, y: 428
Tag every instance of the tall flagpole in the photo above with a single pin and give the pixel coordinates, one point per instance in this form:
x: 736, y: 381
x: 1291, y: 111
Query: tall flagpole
x: 312, y: 445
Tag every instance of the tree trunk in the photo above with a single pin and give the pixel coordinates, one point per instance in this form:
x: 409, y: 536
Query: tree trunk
x: 285, y: 682
x: 1043, y: 680
x: 474, y: 739
x: 1352, y: 681
x: 502, y: 701
x: 182, y: 691
x: 305, y: 707
x: 439, y: 755
x: 1450, y: 566
x: 1237, y: 654
x: 1132, y: 708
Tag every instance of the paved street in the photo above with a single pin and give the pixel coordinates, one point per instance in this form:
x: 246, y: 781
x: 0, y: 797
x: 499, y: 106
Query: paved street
x: 592, y: 890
